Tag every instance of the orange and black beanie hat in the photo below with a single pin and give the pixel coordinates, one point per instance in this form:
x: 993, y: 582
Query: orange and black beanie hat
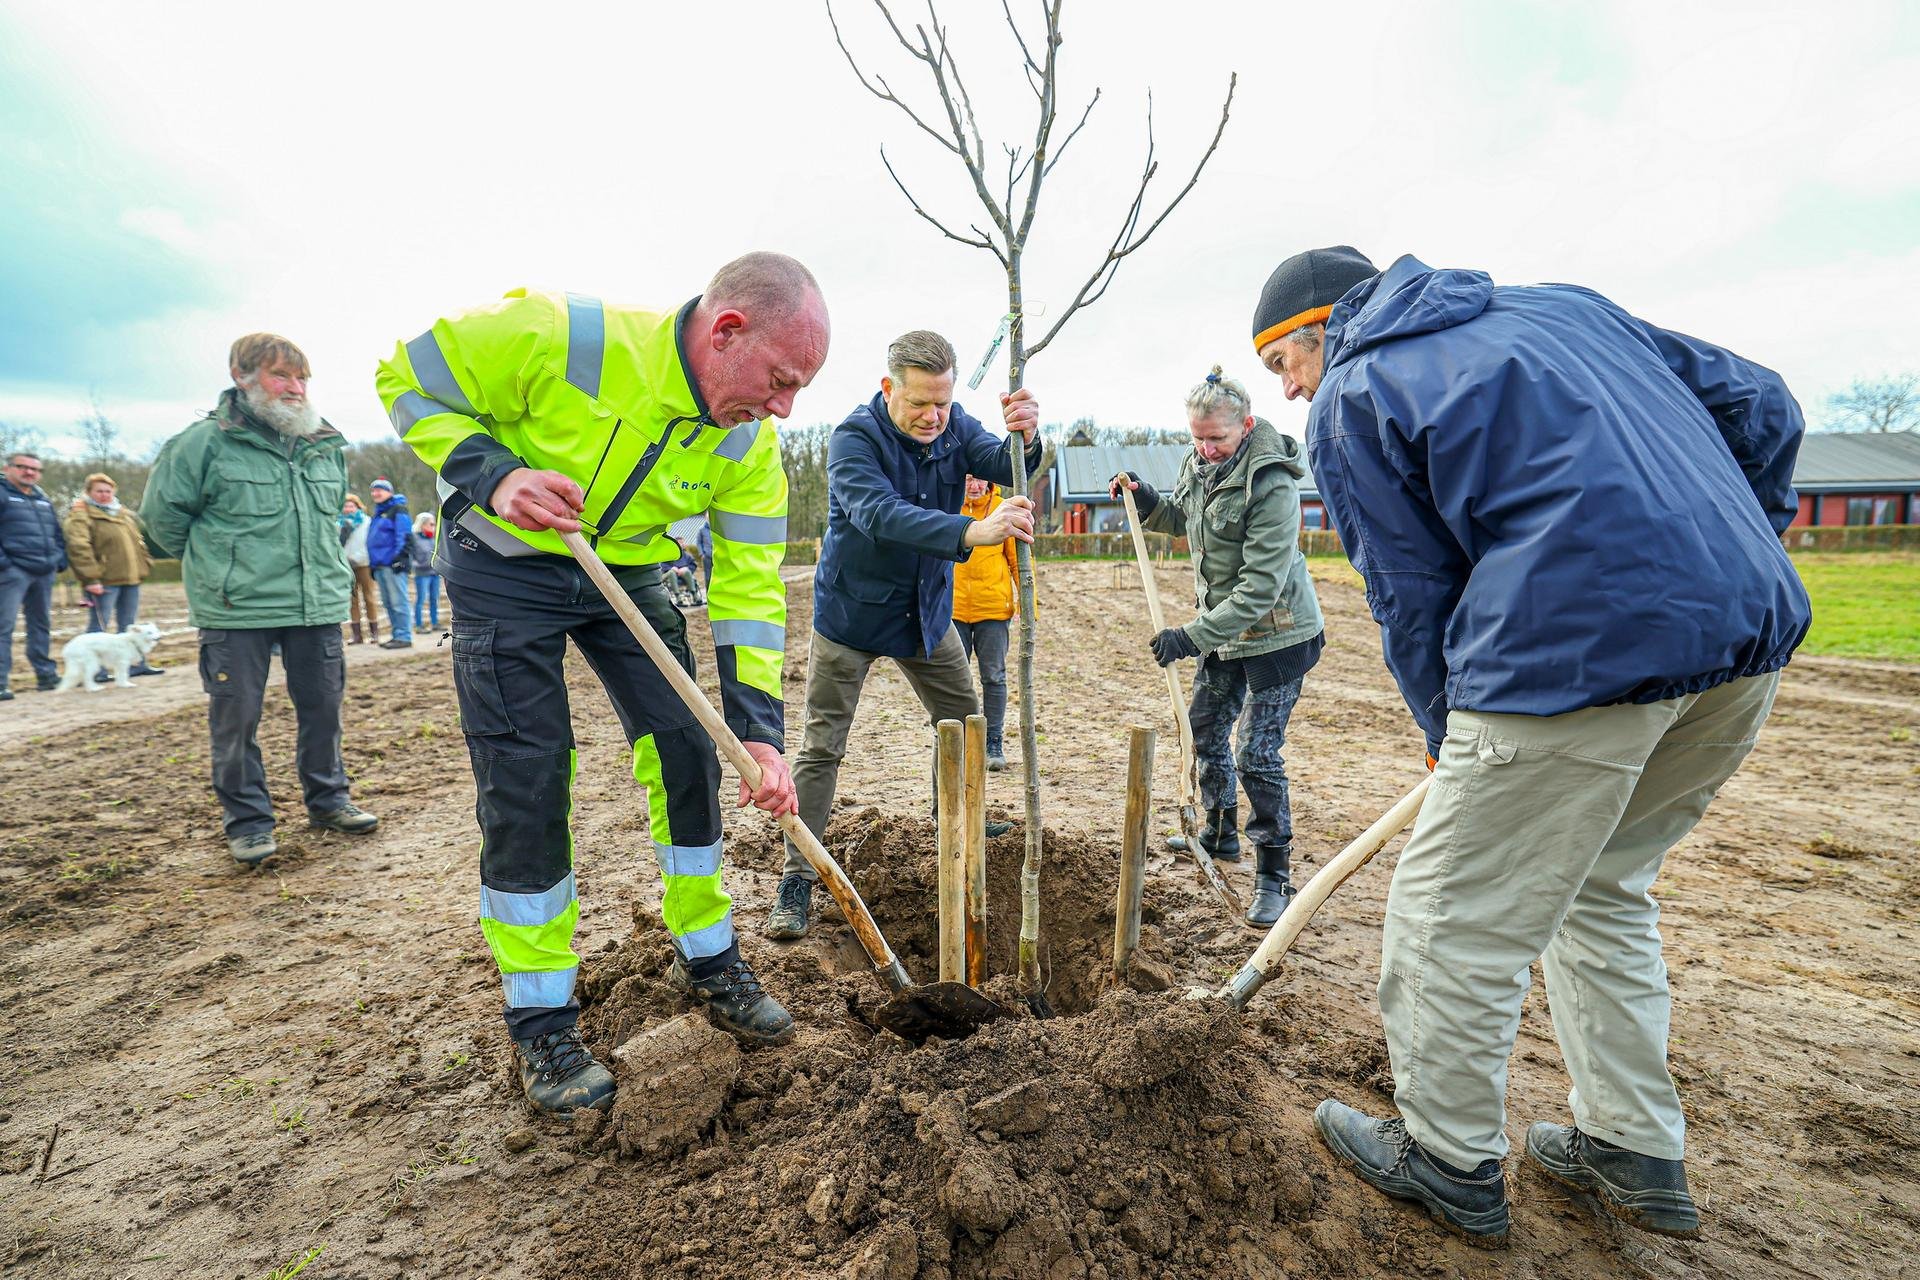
x: 1303, y: 289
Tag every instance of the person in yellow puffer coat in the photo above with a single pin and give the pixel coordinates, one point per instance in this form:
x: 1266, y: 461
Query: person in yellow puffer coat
x: 983, y: 607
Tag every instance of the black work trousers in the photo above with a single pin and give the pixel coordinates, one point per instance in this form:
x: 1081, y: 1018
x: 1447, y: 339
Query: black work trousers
x: 233, y: 671
x: 508, y: 656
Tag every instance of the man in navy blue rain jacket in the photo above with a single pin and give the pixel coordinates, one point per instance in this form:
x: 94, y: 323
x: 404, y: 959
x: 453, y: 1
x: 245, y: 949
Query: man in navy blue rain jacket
x: 896, y: 475
x: 1568, y: 521
x: 32, y: 551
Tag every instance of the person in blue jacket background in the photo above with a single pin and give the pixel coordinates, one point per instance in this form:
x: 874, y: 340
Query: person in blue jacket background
x: 1568, y: 522
x: 389, y: 555
x: 896, y: 475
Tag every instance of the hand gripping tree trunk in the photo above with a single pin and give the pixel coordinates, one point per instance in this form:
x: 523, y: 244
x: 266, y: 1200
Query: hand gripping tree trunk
x: 1006, y: 239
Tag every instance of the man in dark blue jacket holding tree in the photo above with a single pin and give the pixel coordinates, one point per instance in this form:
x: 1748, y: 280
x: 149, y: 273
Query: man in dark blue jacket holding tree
x: 1568, y: 521
x: 896, y: 476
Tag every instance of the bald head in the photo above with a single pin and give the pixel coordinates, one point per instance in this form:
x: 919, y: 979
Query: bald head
x: 769, y: 286
x: 758, y: 336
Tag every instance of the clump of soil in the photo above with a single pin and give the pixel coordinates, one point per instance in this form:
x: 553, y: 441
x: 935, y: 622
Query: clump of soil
x: 1116, y: 1138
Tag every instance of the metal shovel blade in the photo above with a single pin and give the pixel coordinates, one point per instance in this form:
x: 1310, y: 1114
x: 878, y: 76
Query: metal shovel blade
x: 950, y: 1010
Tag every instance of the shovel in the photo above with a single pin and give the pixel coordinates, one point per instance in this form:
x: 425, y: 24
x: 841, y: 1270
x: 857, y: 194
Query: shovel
x: 1265, y: 961
x: 950, y: 1010
x: 1189, y: 767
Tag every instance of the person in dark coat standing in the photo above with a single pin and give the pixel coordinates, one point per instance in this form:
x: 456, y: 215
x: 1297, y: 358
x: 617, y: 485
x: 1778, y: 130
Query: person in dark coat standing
x: 1568, y: 521
x: 896, y: 477
x: 32, y: 552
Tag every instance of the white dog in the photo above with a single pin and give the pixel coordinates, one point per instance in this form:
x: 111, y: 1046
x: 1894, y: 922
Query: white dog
x: 118, y: 653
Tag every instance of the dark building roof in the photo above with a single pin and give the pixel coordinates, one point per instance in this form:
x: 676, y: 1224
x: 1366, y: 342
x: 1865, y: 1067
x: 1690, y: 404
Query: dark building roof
x: 1857, y: 461
x: 1829, y: 462
x: 1085, y: 469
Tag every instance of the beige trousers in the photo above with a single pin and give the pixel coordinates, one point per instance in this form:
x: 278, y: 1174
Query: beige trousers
x: 1541, y: 837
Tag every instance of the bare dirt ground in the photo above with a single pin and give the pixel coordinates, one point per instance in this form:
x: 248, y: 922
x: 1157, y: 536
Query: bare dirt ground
x: 216, y: 1072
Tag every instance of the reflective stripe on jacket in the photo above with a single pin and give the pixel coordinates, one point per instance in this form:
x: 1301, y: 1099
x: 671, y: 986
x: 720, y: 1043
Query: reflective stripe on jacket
x: 602, y: 394
x: 983, y: 583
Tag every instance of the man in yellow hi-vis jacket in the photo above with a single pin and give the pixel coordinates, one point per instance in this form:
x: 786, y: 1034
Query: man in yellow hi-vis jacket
x: 547, y: 412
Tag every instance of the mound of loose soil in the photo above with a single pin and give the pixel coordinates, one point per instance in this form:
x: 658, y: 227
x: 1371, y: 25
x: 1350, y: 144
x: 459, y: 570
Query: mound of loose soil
x: 1119, y: 1138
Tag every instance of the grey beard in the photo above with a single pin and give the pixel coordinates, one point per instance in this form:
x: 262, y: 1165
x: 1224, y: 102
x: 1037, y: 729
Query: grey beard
x: 295, y: 421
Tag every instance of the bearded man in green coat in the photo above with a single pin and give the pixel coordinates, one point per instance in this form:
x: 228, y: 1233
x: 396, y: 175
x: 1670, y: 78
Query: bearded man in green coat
x: 248, y: 500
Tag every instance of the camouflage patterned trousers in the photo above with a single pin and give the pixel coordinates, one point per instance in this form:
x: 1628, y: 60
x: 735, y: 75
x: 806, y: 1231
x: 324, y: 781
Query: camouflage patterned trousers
x: 1219, y: 693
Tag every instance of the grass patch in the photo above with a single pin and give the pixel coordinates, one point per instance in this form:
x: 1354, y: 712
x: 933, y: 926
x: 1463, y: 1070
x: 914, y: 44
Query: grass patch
x: 1866, y: 604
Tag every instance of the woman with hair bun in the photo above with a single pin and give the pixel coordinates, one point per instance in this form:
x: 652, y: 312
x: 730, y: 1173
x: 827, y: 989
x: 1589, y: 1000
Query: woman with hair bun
x: 1258, y: 631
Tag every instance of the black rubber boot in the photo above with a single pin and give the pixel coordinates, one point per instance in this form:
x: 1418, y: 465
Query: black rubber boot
x: 1472, y: 1203
x: 1221, y: 835
x: 1272, y: 883
x: 740, y: 1005
x: 1643, y: 1191
x: 558, y: 1074
x: 792, y: 908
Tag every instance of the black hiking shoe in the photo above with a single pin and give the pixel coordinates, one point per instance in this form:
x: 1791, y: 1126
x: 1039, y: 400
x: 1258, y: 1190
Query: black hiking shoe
x: 1641, y: 1191
x: 792, y: 909
x: 47, y: 684
x: 1472, y: 1204
x: 252, y: 849
x: 147, y: 669
x: 349, y: 819
x: 738, y: 1003
x: 559, y: 1075
x: 1272, y: 887
x: 996, y: 756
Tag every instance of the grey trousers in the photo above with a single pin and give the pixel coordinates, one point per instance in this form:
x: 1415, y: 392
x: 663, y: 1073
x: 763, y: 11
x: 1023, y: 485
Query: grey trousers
x: 233, y: 670
x: 1542, y: 836
x: 835, y: 676
x: 986, y: 642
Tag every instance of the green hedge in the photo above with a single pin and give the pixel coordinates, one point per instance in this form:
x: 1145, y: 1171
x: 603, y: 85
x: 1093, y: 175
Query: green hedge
x: 1853, y: 537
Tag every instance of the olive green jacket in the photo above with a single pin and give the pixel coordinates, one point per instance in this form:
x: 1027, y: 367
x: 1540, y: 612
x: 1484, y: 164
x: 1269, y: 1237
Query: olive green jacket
x: 1250, y: 581
x: 256, y: 528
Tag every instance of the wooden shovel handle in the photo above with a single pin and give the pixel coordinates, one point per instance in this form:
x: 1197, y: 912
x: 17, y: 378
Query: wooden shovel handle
x: 1188, y: 798
x: 715, y: 724
x: 1273, y: 948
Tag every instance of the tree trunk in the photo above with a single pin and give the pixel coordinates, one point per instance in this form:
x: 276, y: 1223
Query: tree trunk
x: 1029, y: 750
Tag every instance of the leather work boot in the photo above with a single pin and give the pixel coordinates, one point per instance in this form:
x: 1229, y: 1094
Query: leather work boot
x: 253, y: 848
x: 1272, y: 883
x: 792, y: 909
x: 558, y: 1074
x: 739, y: 1004
x: 1470, y: 1203
x: 349, y: 819
x: 1220, y: 837
x: 1642, y: 1191
x: 357, y: 638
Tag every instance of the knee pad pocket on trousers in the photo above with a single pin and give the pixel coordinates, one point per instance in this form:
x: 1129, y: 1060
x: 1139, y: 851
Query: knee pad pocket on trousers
x: 523, y: 803
x: 690, y: 779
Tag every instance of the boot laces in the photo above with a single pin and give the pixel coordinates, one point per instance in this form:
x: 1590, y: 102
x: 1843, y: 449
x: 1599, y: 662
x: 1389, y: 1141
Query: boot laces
x: 561, y: 1055
x: 795, y: 894
x: 738, y: 979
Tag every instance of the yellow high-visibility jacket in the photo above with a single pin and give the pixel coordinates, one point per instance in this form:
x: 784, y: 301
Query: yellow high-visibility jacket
x: 602, y: 394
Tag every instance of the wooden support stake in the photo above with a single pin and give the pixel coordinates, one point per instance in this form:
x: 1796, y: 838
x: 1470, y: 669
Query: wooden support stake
x: 951, y: 755
x: 975, y: 854
x: 1133, y: 849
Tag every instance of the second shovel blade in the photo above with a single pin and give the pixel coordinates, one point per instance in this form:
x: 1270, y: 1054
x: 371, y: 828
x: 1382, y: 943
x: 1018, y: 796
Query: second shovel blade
x: 950, y: 1010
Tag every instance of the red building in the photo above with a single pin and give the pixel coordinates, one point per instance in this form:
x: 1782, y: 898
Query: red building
x: 1858, y: 478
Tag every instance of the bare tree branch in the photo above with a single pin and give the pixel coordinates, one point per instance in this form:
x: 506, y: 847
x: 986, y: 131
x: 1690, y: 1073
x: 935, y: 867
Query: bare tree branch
x: 937, y: 60
x: 1044, y: 128
x: 878, y: 86
x: 1032, y: 67
x: 1127, y: 241
x: 966, y: 99
x: 981, y: 243
x: 1076, y: 130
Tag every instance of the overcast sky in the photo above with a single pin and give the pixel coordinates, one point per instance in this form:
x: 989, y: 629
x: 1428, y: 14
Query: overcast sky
x: 176, y: 175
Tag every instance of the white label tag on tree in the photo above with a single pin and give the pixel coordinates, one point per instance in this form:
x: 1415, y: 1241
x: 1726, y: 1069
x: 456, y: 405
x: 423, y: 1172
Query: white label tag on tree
x: 993, y: 349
